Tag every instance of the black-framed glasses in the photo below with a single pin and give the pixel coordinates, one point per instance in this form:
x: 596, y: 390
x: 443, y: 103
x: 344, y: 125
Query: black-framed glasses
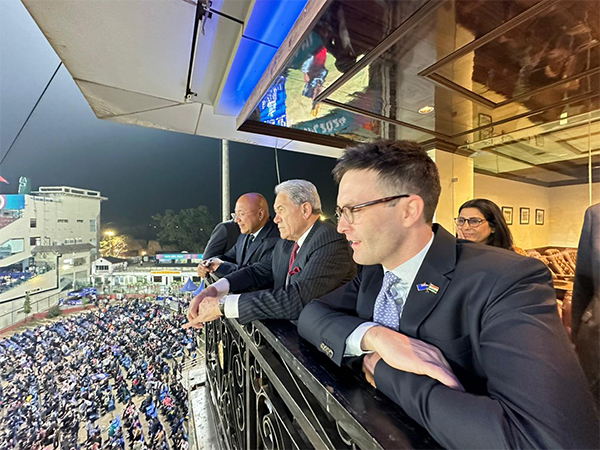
x: 473, y: 222
x: 347, y: 212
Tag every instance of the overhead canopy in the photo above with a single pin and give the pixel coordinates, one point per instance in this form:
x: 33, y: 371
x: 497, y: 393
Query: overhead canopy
x: 511, y: 83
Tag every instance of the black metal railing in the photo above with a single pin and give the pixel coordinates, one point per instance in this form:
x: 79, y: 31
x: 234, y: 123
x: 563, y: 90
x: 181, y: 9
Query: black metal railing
x: 268, y: 388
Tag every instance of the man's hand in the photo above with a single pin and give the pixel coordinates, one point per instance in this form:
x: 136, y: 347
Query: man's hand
x: 204, y: 307
x: 369, y: 363
x: 409, y: 355
x: 208, y: 266
x: 208, y: 310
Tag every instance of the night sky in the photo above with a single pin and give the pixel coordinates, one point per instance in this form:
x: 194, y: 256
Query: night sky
x: 142, y: 171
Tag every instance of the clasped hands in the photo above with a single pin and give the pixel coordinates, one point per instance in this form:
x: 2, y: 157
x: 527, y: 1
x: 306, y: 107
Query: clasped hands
x: 208, y: 266
x: 407, y: 354
x: 203, y: 308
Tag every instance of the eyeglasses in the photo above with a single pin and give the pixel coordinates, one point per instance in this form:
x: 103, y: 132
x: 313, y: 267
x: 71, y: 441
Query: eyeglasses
x: 473, y: 222
x: 242, y: 214
x: 347, y: 212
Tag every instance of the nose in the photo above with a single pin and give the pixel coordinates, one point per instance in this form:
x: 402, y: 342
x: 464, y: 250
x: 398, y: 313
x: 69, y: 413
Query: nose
x: 277, y: 218
x: 343, y: 226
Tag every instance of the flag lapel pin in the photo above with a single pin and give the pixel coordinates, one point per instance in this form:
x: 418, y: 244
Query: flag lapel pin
x: 428, y: 287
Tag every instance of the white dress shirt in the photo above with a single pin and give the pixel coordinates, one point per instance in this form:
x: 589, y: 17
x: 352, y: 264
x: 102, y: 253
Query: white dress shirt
x: 407, y: 272
x: 231, y: 301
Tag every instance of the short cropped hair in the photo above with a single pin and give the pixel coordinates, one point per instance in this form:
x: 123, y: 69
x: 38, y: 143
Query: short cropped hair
x: 301, y: 191
x: 403, y: 168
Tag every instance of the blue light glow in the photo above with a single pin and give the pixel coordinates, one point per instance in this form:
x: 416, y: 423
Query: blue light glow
x: 268, y: 26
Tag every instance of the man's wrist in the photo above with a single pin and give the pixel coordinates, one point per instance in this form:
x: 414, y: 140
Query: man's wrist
x: 369, y: 340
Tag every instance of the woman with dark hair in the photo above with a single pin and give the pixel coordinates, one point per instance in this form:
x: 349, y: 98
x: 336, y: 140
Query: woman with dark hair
x: 480, y: 220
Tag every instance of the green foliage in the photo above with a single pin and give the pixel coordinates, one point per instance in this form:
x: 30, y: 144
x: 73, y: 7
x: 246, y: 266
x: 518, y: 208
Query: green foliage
x: 27, y: 305
x: 55, y: 311
x: 189, y: 229
x: 85, y: 301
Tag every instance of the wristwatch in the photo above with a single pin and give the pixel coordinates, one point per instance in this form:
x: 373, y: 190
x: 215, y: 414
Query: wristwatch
x: 222, y: 305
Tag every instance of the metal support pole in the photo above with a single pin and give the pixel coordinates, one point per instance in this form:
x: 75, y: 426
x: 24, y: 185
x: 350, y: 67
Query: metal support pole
x: 225, y: 179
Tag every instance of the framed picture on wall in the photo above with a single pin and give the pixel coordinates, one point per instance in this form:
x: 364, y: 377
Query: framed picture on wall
x: 482, y: 120
x: 507, y: 212
x: 524, y: 216
x: 539, y: 216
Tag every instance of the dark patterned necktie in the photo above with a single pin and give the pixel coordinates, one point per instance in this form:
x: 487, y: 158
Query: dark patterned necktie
x: 293, y: 257
x: 249, y: 240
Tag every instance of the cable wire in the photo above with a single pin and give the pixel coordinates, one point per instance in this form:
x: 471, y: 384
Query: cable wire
x: 31, y: 113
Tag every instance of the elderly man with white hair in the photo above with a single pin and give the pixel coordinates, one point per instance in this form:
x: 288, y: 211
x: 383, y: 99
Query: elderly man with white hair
x: 311, y: 260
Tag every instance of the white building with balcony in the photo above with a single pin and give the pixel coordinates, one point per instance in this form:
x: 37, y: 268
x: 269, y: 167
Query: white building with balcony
x: 48, y: 240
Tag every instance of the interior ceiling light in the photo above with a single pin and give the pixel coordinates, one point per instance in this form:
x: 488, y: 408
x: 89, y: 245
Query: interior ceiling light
x: 426, y: 109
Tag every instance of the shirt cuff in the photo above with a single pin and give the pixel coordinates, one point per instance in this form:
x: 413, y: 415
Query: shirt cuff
x: 231, y: 306
x: 222, y: 287
x: 353, y: 341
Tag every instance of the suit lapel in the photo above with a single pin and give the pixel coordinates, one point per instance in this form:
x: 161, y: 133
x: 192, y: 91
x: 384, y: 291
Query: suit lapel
x: 369, y: 295
x: 305, y: 249
x: 259, y: 239
x: 436, y: 269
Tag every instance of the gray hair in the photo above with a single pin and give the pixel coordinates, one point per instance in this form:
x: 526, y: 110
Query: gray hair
x: 301, y: 191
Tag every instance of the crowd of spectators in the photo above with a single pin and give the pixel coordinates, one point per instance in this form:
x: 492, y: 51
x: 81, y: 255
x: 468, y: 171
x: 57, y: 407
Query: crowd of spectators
x: 11, y: 278
x: 60, y: 379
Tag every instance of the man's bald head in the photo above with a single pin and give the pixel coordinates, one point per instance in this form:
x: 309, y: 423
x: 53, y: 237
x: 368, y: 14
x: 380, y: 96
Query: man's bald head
x: 251, y: 212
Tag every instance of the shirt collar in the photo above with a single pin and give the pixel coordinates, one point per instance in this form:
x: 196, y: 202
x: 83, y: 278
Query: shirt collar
x: 256, y: 234
x: 407, y: 271
x: 303, y: 237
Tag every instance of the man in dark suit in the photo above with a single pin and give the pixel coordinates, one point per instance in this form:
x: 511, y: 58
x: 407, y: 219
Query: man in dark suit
x: 464, y: 337
x: 256, y: 243
x: 311, y: 260
x: 223, y: 237
x: 586, y: 300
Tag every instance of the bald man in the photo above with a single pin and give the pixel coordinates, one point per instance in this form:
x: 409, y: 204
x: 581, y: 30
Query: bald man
x: 259, y: 236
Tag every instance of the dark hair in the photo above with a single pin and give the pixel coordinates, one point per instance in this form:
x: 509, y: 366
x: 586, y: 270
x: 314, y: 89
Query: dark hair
x: 403, y: 168
x: 501, y: 237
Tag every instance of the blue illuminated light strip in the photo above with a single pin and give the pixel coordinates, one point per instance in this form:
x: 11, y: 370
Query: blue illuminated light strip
x: 267, y: 28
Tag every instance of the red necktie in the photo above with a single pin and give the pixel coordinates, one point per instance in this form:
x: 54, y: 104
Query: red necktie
x: 293, y: 256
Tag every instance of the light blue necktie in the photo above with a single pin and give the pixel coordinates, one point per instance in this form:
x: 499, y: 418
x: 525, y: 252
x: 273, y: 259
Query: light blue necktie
x: 387, y: 311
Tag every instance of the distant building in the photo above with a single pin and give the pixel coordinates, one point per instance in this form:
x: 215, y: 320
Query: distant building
x: 49, y: 239
x: 107, y: 265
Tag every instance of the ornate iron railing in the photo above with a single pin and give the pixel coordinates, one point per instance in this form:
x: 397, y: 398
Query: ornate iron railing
x: 271, y: 389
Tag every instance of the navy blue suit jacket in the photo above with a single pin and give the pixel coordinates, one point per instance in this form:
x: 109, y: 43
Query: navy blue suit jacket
x: 495, y: 320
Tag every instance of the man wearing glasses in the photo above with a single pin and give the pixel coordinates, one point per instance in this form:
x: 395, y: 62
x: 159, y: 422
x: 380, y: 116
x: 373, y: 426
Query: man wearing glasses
x: 464, y: 337
x: 311, y: 260
x: 256, y: 243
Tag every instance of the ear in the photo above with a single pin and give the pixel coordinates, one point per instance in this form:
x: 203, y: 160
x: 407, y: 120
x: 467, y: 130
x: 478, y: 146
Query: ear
x: 306, y: 210
x: 412, y: 212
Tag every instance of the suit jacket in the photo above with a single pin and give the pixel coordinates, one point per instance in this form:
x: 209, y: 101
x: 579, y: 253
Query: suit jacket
x: 586, y: 299
x: 261, y: 249
x: 323, y: 263
x: 495, y: 320
x: 222, y: 238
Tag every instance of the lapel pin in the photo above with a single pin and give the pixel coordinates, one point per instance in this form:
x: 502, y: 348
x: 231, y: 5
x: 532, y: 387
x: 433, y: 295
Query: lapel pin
x: 428, y: 287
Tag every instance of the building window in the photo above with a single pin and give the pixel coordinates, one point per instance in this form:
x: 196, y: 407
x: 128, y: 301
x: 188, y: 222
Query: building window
x: 32, y: 222
x: 63, y: 220
x: 93, y: 225
x: 176, y: 278
x: 34, y: 241
x: 196, y: 279
x: 157, y: 279
x: 79, y: 220
x: 102, y: 268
